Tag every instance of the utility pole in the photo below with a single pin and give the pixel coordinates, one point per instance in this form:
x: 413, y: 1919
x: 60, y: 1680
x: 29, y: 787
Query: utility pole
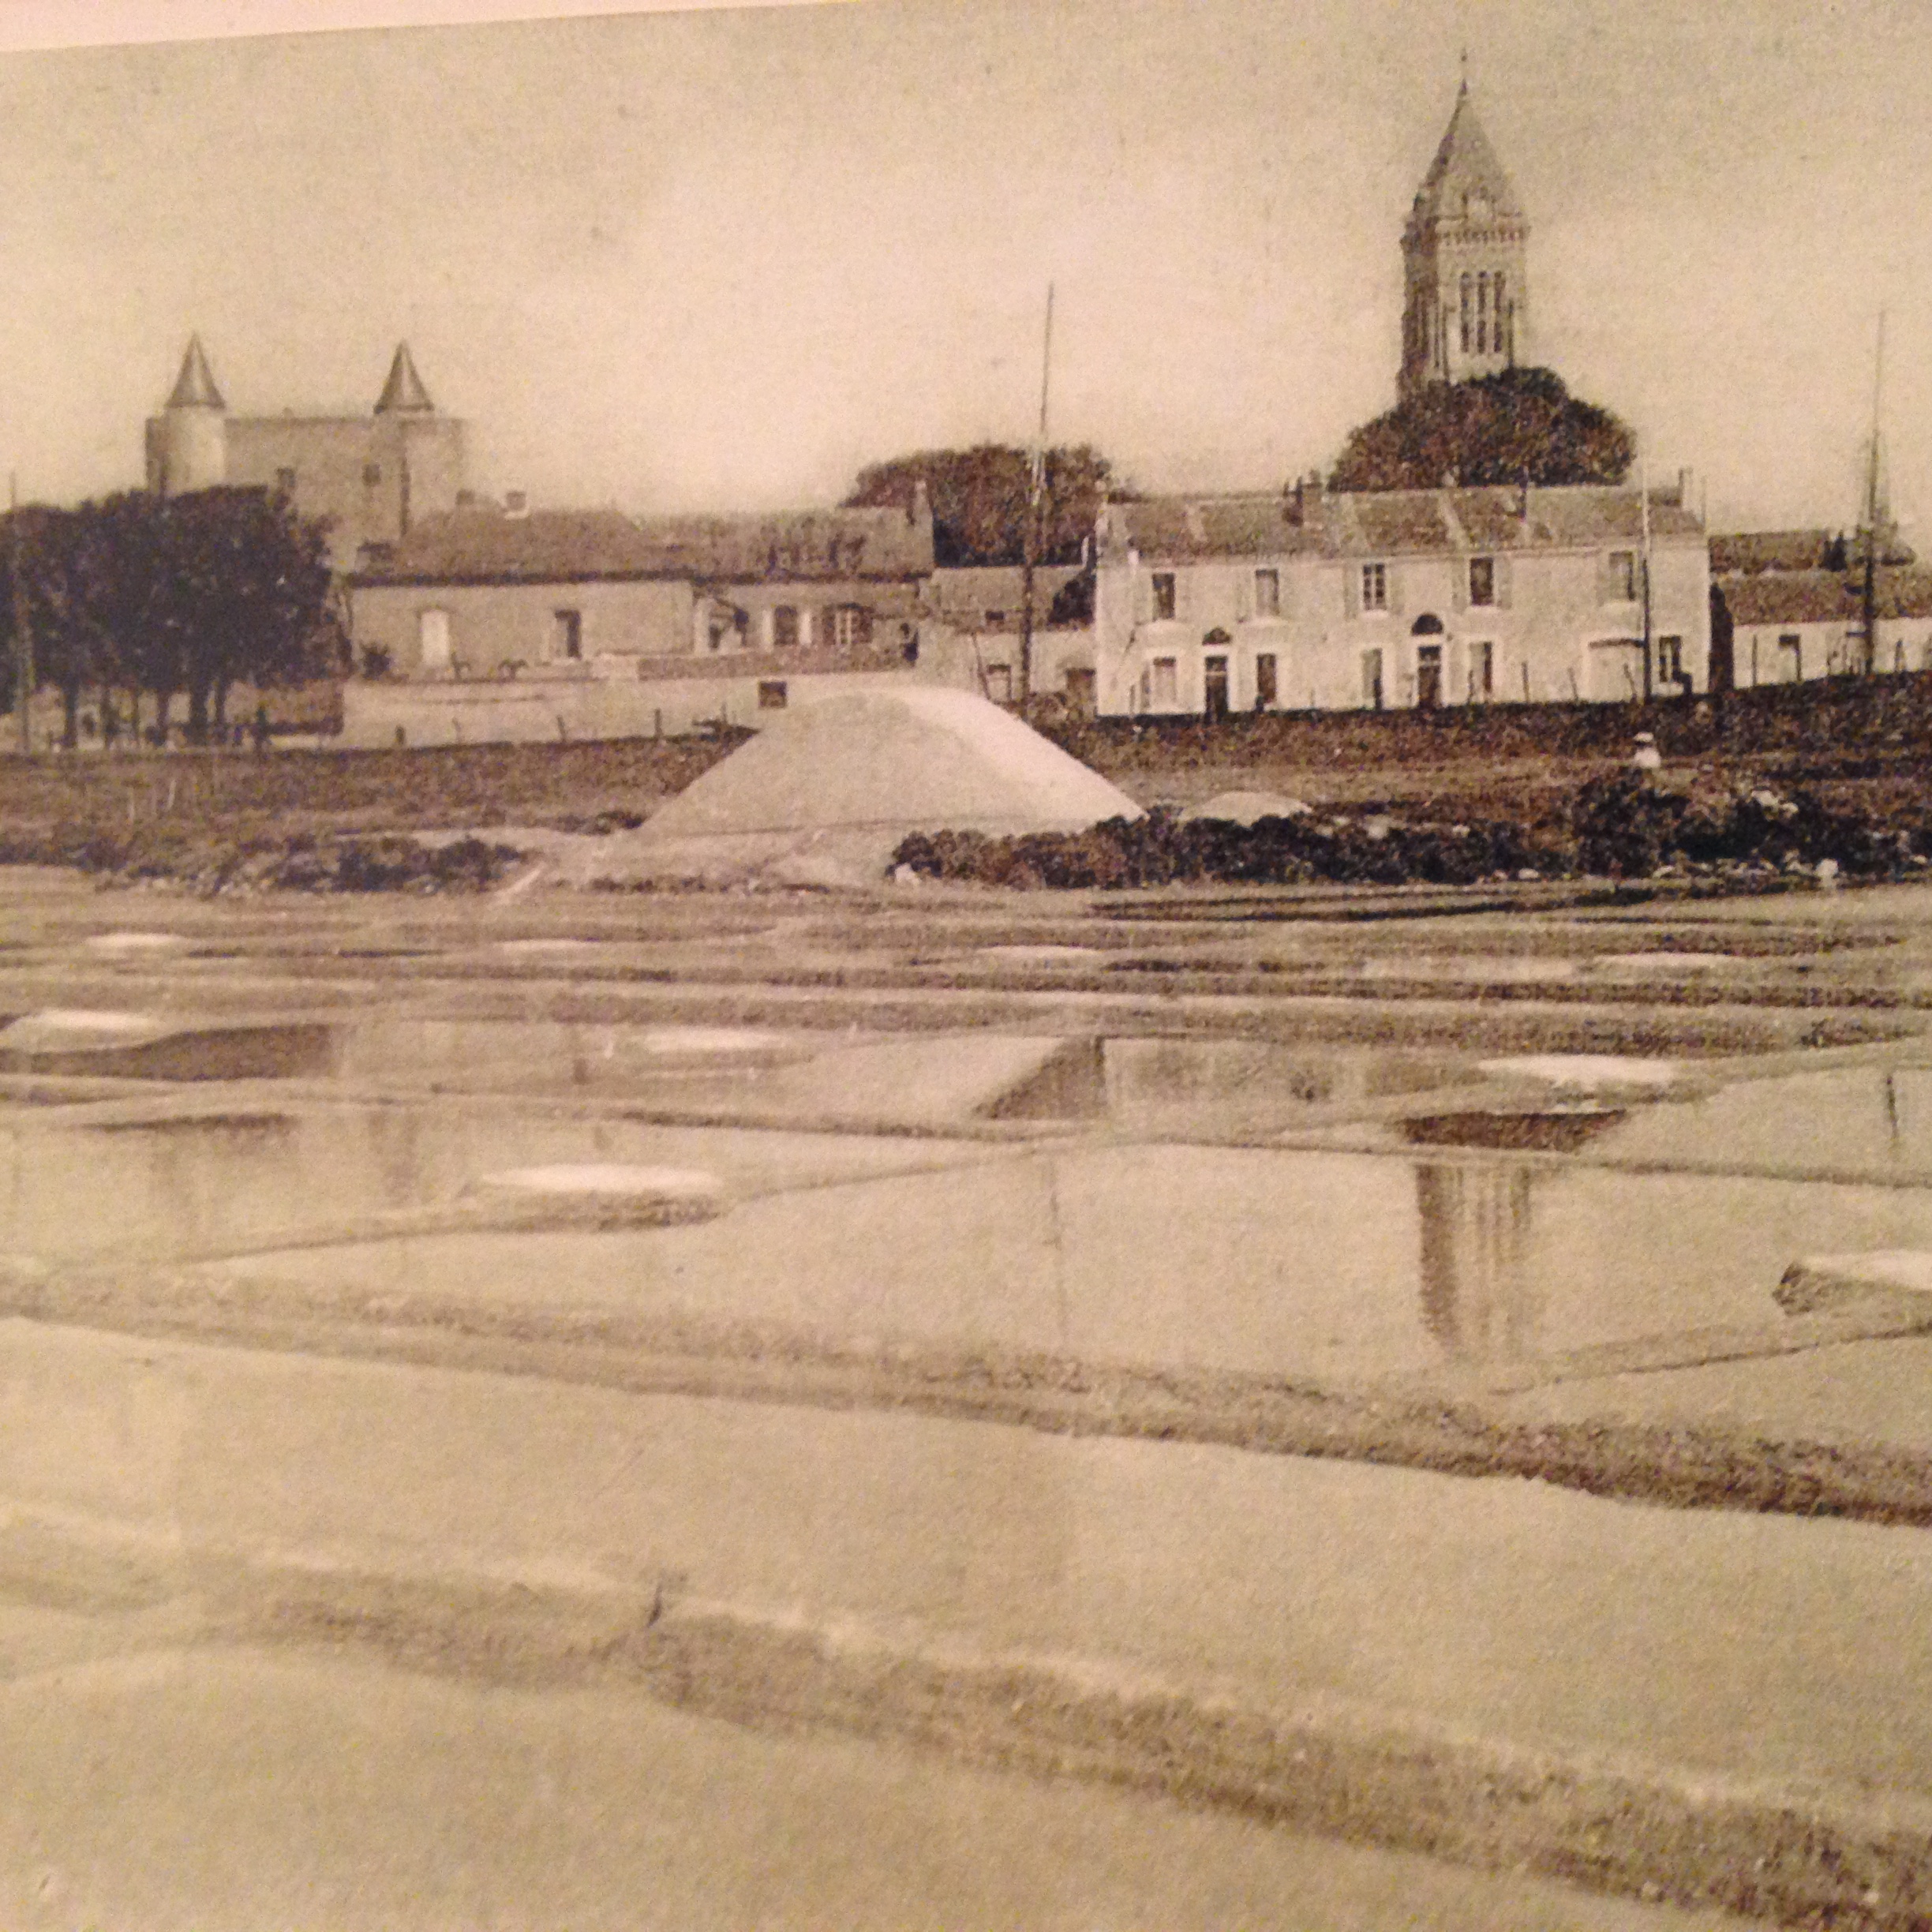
x: 1869, y: 601
x: 1643, y: 491
x: 23, y: 624
x: 1035, y: 497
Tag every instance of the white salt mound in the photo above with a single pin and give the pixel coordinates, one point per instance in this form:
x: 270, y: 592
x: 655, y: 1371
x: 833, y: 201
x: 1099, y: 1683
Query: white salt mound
x: 823, y: 794
x: 1247, y: 808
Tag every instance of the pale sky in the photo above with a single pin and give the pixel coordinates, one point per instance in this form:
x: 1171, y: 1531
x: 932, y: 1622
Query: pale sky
x: 722, y: 259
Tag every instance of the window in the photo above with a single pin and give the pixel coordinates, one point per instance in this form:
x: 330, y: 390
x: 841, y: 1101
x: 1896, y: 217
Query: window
x: 999, y: 683
x: 784, y: 628
x: 1375, y: 587
x: 996, y: 621
x: 1371, y: 680
x: 1267, y: 593
x: 1482, y: 580
x: 1166, y: 691
x: 1482, y: 673
x: 285, y: 482
x: 1468, y: 319
x: 432, y: 640
x: 371, y: 475
x: 772, y: 695
x: 1670, y: 659
x: 1620, y: 579
x: 566, y: 633
x: 1790, y: 658
x: 1163, y: 596
x: 1482, y: 314
x: 1499, y: 335
x: 1264, y: 681
x: 850, y: 625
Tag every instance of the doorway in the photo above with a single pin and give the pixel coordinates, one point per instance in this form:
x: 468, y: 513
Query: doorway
x: 1215, y: 679
x: 1429, y: 676
x: 432, y: 642
x: 1264, y: 681
x: 1371, y: 680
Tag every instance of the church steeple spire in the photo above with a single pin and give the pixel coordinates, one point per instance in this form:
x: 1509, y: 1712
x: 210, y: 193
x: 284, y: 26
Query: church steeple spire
x: 1465, y: 252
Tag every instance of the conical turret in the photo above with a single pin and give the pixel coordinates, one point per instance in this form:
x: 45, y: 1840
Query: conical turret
x: 188, y: 442
x: 403, y: 393
x: 194, y: 388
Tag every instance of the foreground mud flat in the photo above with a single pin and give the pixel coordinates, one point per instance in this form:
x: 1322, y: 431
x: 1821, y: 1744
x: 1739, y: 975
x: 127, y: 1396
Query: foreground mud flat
x: 1300, y: 1372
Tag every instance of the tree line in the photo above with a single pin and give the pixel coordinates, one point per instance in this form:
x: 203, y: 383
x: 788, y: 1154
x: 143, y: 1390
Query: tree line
x: 172, y: 598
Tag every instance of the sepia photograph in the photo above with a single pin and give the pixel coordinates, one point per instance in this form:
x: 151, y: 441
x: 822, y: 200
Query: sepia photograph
x: 965, y: 964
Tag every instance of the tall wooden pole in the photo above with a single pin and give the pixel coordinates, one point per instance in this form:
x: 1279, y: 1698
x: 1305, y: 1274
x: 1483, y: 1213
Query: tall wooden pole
x: 1036, y: 493
x: 1643, y: 492
x: 1869, y: 601
x: 23, y: 624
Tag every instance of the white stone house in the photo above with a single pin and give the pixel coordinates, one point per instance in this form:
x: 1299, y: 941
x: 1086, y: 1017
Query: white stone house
x: 1412, y: 598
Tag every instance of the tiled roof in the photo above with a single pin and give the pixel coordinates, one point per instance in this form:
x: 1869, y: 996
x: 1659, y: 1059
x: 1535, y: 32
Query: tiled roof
x: 545, y: 546
x: 1823, y: 597
x: 563, y: 546
x: 1176, y: 529
x: 1397, y: 523
x: 1772, y: 550
x: 1788, y: 596
x: 1903, y: 592
x: 1798, y: 550
x: 1465, y: 164
x: 797, y: 544
x: 969, y: 595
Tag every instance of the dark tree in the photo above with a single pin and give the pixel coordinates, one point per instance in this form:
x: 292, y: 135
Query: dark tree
x: 1502, y: 428
x: 137, y: 593
x: 247, y: 592
x: 980, y: 499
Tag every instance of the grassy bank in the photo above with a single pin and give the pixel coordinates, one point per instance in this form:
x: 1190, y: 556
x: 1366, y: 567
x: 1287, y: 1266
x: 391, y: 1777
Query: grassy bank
x: 316, y: 818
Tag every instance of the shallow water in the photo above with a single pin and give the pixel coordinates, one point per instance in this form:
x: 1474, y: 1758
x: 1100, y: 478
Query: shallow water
x: 1259, y: 1260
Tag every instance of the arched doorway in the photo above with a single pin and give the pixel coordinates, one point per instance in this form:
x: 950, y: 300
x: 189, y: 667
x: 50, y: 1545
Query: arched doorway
x: 1427, y: 633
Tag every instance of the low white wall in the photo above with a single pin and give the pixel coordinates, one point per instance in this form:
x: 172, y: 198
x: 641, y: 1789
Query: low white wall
x: 529, y: 710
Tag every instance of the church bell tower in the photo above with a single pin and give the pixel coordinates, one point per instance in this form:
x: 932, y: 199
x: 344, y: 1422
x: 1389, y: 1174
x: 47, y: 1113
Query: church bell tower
x: 1465, y: 254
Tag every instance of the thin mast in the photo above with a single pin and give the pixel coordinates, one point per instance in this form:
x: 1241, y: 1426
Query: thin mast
x: 23, y: 624
x: 1643, y: 493
x: 1036, y: 491
x: 1869, y: 602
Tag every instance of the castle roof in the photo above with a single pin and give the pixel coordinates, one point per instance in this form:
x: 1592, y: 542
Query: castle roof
x: 1465, y: 165
x: 404, y: 391
x: 194, y: 388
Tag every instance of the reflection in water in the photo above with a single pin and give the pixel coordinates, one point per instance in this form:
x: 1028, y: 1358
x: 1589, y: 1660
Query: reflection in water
x: 1214, y: 1082
x: 1479, y: 1298
x: 278, y: 1052
x: 1071, y: 1085
x: 1555, y: 1130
